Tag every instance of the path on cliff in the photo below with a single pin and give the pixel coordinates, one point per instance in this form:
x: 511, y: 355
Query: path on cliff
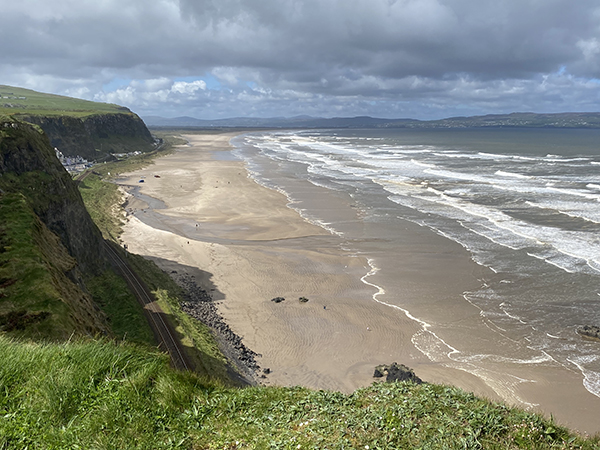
x: 163, y: 332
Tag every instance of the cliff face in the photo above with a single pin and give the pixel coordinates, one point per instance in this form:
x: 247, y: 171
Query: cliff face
x: 47, y: 242
x: 95, y: 136
x: 28, y: 165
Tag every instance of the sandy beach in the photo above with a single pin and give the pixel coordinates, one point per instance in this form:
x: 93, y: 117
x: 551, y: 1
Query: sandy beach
x: 197, y: 210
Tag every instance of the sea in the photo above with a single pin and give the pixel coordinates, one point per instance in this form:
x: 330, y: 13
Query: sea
x: 523, y: 203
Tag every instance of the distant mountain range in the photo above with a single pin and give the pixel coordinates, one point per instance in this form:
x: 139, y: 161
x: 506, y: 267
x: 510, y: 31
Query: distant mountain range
x: 559, y: 120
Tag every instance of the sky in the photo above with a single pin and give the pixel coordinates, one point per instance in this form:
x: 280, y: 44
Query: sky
x: 422, y: 59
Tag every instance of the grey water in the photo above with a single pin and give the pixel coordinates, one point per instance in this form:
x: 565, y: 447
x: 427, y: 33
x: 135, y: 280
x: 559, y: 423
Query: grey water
x: 525, y: 204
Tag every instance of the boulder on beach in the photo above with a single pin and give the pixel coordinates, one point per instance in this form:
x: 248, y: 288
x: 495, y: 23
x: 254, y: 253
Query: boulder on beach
x: 396, y: 372
x: 590, y: 331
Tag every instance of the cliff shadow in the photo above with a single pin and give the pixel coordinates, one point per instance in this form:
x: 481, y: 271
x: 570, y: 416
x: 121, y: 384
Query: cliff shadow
x: 200, y: 295
x: 181, y: 272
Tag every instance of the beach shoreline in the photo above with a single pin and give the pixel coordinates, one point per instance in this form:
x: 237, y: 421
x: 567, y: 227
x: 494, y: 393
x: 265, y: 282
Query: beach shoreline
x: 198, y: 208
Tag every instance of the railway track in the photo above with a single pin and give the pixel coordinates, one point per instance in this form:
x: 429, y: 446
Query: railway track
x: 82, y: 177
x: 163, y: 332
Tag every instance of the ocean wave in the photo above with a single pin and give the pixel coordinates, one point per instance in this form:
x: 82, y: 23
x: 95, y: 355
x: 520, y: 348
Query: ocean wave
x: 570, y: 251
x: 591, y: 378
x: 575, y: 192
x: 528, y: 219
x: 511, y: 174
x: 562, y: 159
x: 568, y: 209
x: 501, y: 157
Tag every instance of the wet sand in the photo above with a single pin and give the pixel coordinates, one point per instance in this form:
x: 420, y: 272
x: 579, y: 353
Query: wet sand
x: 204, y: 211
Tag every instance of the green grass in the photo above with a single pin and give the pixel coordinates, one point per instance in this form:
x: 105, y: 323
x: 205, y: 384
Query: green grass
x: 102, y: 200
x: 124, y: 313
x: 103, y: 395
x: 91, y: 395
x: 37, y: 300
x: 27, y: 102
x: 203, y: 350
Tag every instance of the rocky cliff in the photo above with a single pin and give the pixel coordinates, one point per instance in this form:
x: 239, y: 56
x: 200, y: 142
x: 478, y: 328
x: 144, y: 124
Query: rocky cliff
x: 29, y: 165
x: 48, y: 242
x: 94, y: 136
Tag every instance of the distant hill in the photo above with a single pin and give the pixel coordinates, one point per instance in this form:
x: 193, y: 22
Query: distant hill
x: 532, y: 120
x: 20, y: 101
x: 273, y: 122
x: 78, y: 127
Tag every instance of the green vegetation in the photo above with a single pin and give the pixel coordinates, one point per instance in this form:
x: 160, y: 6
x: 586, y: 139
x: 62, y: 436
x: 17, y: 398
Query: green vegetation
x: 103, y: 395
x: 37, y: 300
x: 123, y: 312
x: 202, y: 348
x: 19, y: 101
x: 77, y: 127
x: 102, y: 199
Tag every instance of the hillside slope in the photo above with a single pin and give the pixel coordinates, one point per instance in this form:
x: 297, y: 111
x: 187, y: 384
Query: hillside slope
x: 48, y: 242
x: 41, y: 294
x: 78, y: 127
x: 29, y: 166
x: 109, y: 396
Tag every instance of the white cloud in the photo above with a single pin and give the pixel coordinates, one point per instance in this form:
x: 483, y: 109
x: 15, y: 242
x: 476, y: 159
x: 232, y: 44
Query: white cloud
x: 590, y: 48
x: 181, y: 87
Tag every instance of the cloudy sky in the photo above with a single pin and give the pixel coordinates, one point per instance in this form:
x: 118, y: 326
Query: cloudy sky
x: 208, y: 59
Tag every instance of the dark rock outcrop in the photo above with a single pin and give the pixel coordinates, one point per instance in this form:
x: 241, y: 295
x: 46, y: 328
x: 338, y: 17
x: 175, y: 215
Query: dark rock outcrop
x: 67, y: 244
x: 95, y: 136
x: 396, y: 372
x: 199, y: 304
x: 590, y: 331
x: 29, y: 165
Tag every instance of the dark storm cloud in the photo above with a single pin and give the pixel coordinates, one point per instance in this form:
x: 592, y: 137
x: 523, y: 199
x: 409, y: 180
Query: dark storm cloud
x: 394, y: 39
x: 381, y: 57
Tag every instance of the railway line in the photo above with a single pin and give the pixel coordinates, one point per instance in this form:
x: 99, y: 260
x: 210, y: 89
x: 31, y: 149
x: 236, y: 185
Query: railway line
x: 163, y: 332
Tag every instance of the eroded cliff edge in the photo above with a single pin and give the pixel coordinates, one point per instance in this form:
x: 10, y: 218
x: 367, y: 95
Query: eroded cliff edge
x: 48, y: 240
x: 95, y: 136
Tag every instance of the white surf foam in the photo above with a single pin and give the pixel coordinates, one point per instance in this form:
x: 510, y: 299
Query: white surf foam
x: 591, y: 379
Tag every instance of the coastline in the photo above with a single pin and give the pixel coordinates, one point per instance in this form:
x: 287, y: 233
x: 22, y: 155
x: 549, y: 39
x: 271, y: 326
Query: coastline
x: 250, y: 246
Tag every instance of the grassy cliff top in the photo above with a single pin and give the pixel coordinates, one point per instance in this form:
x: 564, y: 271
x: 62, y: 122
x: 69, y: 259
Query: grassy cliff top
x: 103, y: 395
x: 23, y: 102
